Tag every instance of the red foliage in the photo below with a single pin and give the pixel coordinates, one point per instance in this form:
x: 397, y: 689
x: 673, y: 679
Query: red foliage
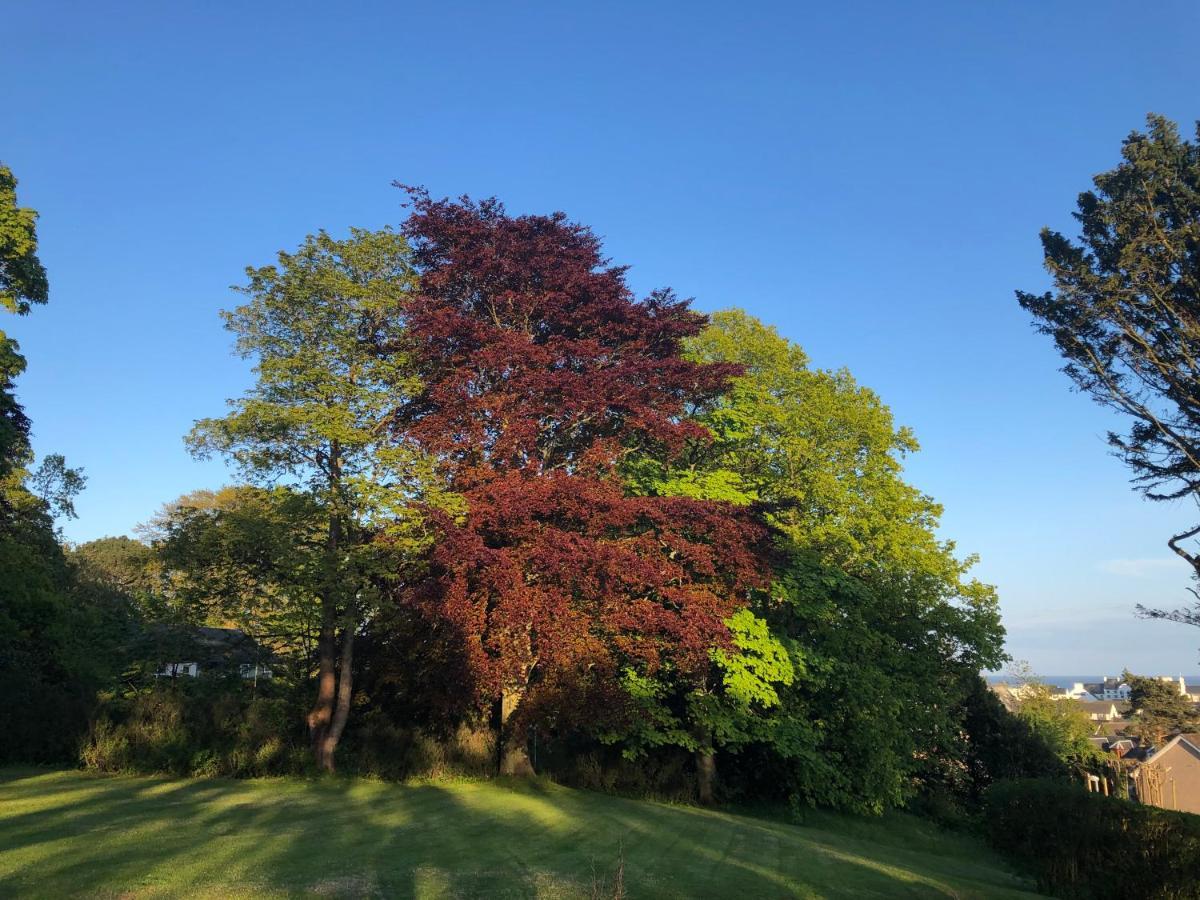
x: 562, y: 572
x: 541, y: 370
x: 535, y: 353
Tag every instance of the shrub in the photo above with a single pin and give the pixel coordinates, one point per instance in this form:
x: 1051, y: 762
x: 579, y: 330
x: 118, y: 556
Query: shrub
x: 378, y: 746
x: 664, y: 773
x: 1079, y: 844
x: 193, y: 729
x: 220, y: 728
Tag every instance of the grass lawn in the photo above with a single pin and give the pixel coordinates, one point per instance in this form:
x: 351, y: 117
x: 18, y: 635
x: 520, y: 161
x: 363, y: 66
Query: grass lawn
x: 66, y: 834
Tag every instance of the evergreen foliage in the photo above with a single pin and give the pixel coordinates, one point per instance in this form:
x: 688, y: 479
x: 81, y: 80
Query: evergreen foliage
x: 1125, y: 313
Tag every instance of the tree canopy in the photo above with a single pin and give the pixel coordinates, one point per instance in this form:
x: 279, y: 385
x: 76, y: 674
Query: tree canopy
x: 540, y: 373
x: 321, y: 326
x: 880, y: 624
x: 1160, y: 711
x: 489, y: 499
x: 1124, y: 312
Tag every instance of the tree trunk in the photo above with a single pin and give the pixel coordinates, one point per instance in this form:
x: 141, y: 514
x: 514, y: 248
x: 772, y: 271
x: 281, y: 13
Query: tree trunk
x: 341, y: 710
x: 512, y: 755
x: 706, y: 768
x: 321, y: 716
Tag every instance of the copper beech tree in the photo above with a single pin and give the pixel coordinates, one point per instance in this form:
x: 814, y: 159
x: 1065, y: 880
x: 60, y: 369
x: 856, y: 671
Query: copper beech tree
x: 540, y: 371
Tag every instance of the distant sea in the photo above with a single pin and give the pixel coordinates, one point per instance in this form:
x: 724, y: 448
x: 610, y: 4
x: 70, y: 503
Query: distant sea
x: 1065, y: 681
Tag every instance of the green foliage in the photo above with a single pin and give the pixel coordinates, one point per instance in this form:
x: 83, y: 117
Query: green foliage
x: 735, y: 708
x: 873, y: 614
x: 1081, y: 844
x: 1062, y: 725
x: 1159, y: 710
x: 126, y: 567
x: 323, y: 329
x: 195, y: 727
x: 758, y: 665
x: 22, y: 277
x: 61, y: 639
x: 57, y: 635
x: 226, y: 727
x: 1002, y: 746
x: 819, y: 450
x: 881, y: 704
x: 378, y: 746
x: 248, y: 556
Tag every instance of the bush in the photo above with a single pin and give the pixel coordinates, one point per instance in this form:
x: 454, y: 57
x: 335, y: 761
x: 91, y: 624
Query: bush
x: 664, y: 773
x: 1079, y: 844
x: 194, y: 729
x: 379, y: 747
x: 219, y: 727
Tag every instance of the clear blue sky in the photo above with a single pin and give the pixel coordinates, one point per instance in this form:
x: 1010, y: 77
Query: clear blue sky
x: 870, y: 177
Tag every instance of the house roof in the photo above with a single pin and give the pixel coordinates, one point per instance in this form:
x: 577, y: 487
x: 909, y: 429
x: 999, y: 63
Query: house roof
x: 1191, y: 740
x: 1005, y: 695
x: 1097, y: 688
x: 207, y: 644
x: 1104, y: 706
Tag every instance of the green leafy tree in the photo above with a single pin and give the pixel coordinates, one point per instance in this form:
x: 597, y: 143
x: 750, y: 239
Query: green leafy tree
x: 123, y: 562
x: 1002, y: 746
x: 22, y: 284
x: 1061, y: 724
x: 323, y: 327
x: 22, y: 277
x: 1124, y: 314
x: 1160, y: 711
x: 877, y: 616
x: 251, y: 558
x: 738, y: 704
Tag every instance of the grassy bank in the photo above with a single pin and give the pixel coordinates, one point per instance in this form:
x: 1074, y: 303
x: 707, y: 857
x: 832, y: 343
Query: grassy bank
x: 71, y: 834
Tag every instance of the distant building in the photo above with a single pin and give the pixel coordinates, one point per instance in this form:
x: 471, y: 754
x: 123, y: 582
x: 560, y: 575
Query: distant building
x: 1116, y: 689
x: 1121, y: 746
x: 1079, y: 691
x: 1170, y: 776
x: 190, y: 652
x: 1108, y: 689
x: 1100, y: 710
x: 1007, y: 696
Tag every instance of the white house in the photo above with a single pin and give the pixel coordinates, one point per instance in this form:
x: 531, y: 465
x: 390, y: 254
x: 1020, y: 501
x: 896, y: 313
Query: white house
x: 189, y: 652
x: 1109, y: 689
x: 178, y: 669
x: 1101, y: 710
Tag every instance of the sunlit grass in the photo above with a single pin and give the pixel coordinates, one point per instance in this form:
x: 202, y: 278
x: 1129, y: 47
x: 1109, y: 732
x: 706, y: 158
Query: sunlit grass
x: 70, y: 834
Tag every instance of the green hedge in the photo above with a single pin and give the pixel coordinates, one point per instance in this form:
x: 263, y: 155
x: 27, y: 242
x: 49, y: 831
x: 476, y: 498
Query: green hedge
x: 1079, y: 844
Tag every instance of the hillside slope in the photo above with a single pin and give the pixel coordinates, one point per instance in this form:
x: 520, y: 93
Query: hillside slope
x: 71, y: 834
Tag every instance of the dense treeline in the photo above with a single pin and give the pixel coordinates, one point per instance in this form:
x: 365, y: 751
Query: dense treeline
x: 496, y: 513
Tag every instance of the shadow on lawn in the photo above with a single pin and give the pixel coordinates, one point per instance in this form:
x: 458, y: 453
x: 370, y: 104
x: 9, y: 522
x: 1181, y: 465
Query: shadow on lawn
x: 68, y: 833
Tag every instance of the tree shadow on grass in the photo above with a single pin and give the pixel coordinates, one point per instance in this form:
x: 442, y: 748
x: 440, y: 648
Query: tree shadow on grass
x: 70, y: 834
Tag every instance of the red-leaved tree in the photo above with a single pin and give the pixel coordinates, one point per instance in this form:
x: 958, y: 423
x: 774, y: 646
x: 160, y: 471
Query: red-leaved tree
x: 541, y: 370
